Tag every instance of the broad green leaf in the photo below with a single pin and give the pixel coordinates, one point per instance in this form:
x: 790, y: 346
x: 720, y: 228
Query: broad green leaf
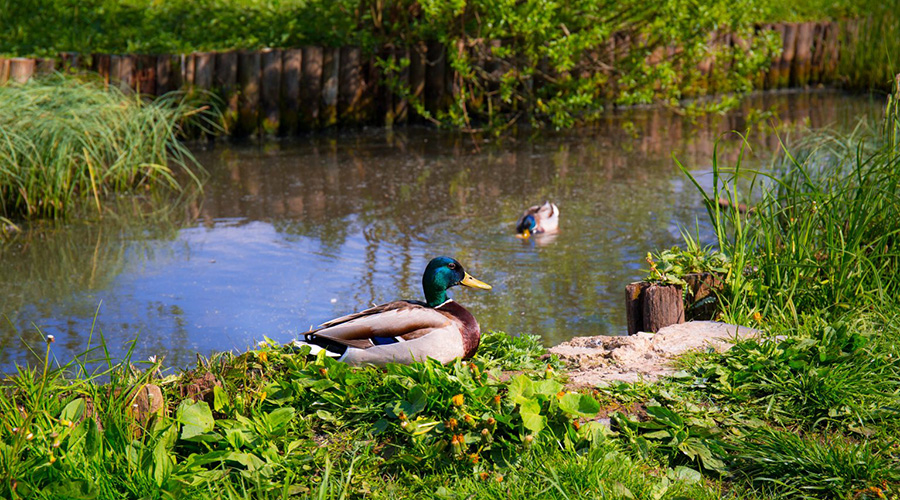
x: 73, y: 411
x: 195, y: 417
x: 416, y: 400
x: 665, y: 416
x: 220, y: 398
x: 549, y: 388
x: 531, y: 417
x: 686, y: 474
x: 582, y: 405
x: 278, y: 418
x: 520, y: 389
x: 162, y: 464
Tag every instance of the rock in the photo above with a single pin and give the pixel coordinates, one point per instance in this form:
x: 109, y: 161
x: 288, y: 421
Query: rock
x: 145, y: 402
x: 598, y: 361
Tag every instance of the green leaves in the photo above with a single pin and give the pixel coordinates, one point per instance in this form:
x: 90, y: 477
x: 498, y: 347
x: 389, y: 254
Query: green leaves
x: 195, y: 417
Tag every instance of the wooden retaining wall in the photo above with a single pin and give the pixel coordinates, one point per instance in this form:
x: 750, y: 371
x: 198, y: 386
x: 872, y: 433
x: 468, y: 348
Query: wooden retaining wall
x: 286, y: 91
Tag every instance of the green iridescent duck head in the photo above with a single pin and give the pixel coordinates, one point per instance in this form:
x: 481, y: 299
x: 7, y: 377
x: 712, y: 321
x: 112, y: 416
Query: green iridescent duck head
x: 443, y: 273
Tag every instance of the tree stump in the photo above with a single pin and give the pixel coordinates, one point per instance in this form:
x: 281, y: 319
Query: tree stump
x: 650, y: 307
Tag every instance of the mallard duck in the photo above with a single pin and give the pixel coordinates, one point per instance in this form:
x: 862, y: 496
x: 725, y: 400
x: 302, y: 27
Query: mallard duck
x: 538, y: 219
x: 405, y: 331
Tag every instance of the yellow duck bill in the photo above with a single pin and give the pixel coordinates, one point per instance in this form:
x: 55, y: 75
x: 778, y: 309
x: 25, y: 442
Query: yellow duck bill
x: 474, y: 283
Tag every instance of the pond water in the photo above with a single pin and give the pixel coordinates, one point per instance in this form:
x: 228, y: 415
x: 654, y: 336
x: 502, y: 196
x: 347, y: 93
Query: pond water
x: 290, y: 234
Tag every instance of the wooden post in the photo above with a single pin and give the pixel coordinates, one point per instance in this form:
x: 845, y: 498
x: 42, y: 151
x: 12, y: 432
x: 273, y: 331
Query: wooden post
x: 634, y: 306
x: 204, y: 70
x: 44, y: 66
x: 69, y: 62
x: 186, y: 67
x: 165, y: 76
x: 435, y: 77
x: 331, y: 63
x: 803, y: 55
x: 833, y: 51
x: 818, y: 50
x: 21, y: 69
x: 417, y: 53
x: 270, y: 91
x: 145, y: 75
x: 225, y: 85
x: 291, y: 66
x: 100, y: 65
x: 350, y: 86
x: 4, y: 70
x: 787, y: 57
x: 662, y: 306
x: 249, y: 63
x: 310, y: 86
x: 701, y: 295
x: 126, y: 73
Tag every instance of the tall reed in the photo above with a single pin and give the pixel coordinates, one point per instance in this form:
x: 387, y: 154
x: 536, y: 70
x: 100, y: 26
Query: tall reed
x: 823, y: 235
x: 65, y: 142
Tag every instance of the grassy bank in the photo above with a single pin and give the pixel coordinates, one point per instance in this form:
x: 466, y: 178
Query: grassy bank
x: 67, y: 144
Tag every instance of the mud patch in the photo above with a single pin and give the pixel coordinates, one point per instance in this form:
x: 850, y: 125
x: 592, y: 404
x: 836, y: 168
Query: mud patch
x: 599, y: 361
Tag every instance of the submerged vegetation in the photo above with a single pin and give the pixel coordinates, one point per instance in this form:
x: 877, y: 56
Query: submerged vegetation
x: 67, y: 143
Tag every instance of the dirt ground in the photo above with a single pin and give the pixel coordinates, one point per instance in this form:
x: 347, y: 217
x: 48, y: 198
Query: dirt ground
x: 597, y: 361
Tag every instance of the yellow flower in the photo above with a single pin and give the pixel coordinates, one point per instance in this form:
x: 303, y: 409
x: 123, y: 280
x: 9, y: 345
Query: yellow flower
x: 263, y: 356
x: 757, y: 316
x: 457, y: 400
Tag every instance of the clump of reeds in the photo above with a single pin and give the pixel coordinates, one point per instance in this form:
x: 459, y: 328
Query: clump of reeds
x: 65, y: 142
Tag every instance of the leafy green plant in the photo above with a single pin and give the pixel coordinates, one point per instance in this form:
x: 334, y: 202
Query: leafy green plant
x: 691, y: 439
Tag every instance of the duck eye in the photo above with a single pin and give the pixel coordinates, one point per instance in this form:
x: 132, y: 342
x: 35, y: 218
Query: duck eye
x: 451, y: 265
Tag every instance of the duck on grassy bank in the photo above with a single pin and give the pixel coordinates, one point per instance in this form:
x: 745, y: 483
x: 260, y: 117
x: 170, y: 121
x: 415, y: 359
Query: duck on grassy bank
x: 539, y: 219
x: 405, y: 331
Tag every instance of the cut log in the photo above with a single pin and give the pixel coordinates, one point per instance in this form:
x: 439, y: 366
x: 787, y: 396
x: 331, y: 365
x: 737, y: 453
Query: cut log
x: 331, y: 65
x: 270, y: 91
x: 291, y: 66
x: 662, y: 306
x: 248, y: 85
x: 310, y: 86
x: 21, y: 69
x: 225, y: 85
x: 634, y: 306
x: 701, y: 295
x: 350, y: 86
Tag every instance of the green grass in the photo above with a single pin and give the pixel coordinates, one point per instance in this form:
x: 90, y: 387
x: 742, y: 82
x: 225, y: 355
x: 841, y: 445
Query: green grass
x: 67, y: 144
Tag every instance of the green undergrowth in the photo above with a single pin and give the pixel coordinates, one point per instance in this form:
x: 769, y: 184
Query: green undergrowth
x: 68, y: 144
x: 813, y: 263
x: 274, y: 422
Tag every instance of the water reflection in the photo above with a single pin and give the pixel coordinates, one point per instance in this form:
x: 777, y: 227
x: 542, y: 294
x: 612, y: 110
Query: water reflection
x: 292, y: 234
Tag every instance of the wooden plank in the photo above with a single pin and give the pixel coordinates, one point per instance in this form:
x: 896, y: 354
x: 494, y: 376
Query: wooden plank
x: 310, y: 87
x: 350, y: 85
x: 800, y: 69
x: 249, y: 69
x: 662, y: 306
x: 165, y: 74
x: 417, y: 58
x: 204, y: 70
x: 186, y: 70
x: 145, y: 74
x: 21, y: 69
x: 331, y: 63
x: 789, y: 41
x: 100, y: 65
x: 291, y: 67
x: 4, y: 70
x: 225, y: 86
x: 832, y: 50
x: 270, y: 91
x: 126, y: 73
x: 435, y: 77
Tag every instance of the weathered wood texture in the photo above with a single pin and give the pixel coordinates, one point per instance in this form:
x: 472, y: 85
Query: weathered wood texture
x: 662, y: 305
